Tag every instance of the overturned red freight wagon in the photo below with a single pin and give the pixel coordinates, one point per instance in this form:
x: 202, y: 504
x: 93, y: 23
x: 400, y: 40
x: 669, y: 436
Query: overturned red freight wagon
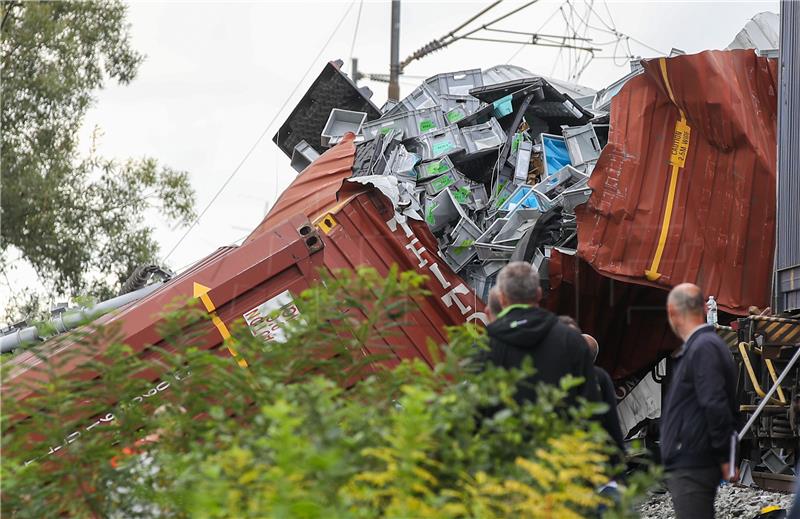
x: 342, y: 225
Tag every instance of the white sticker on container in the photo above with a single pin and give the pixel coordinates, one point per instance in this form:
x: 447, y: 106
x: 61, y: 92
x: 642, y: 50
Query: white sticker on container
x: 267, y: 319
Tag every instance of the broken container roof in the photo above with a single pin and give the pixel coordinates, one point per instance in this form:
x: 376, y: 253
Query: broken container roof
x: 761, y: 32
x: 685, y: 188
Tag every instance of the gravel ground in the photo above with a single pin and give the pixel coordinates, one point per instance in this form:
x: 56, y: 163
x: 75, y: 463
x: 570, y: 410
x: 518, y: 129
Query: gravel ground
x: 732, y: 501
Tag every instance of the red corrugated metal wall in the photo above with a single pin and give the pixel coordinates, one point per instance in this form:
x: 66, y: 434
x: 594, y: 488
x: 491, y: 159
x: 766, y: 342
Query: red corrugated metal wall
x: 629, y: 321
x: 713, y: 185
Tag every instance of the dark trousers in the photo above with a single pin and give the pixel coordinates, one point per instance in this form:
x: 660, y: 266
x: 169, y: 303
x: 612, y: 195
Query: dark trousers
x: 693, y: 491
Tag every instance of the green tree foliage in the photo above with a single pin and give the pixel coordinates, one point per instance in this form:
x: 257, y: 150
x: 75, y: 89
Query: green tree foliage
x: 79, y: 221
x: 327, y: 424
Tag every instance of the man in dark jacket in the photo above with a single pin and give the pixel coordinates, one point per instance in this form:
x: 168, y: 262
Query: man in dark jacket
x: 610, y: 419
x: 698, y: 415
x: 522, y: 330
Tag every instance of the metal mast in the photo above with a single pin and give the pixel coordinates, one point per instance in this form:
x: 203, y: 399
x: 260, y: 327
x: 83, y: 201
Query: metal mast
x: 394, y: 58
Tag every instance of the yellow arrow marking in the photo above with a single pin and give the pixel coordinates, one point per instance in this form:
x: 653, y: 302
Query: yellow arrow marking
x: 201, y: 291
x: 680, y: 148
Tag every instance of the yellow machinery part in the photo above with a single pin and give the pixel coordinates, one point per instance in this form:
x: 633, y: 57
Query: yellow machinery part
x: 749, y: 367
x: 774, y: 376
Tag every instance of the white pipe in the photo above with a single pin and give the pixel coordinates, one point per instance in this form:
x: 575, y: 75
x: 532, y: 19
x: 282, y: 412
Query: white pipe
x: 72, y: 318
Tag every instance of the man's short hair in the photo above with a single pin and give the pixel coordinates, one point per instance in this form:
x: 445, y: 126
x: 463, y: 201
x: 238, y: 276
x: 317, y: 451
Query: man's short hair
x: 493, y: 301
x: 519, y: 283
x: 687, y: 298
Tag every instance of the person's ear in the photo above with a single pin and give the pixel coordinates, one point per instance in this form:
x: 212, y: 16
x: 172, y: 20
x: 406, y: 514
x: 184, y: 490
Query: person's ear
x: 538, y: 294
x: 672, y: 316
x: 502, y: 298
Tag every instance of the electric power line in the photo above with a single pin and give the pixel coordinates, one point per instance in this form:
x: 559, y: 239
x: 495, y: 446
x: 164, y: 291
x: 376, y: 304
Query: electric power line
x: 263, y: 133
x: 451, y: 37
x: 532, y: 42
x: 523, y: 46
x: 355, y: 31
x: 621, y: 34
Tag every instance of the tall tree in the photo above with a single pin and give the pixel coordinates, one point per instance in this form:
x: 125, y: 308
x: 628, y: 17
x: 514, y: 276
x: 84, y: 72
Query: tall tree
x: 79, y: 221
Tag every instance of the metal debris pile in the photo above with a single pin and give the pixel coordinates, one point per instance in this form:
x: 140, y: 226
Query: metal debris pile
x: 494, y: 161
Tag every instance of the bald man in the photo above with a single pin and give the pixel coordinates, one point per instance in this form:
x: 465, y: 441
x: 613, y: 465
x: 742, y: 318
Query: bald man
x: 699, y: 411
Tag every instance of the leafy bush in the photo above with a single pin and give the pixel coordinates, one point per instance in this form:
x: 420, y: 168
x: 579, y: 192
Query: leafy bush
x: 327, y: 424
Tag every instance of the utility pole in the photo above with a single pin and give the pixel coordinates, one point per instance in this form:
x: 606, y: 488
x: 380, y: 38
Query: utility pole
x: 354, y: 70
x: 394, y: 58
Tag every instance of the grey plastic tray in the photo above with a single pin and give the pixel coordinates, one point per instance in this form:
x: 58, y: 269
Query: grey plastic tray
x: 524, y: 196
x: 412, y: 124
x: 491, y: 251
x: 552, y: 187
x: 341, y: 122
x: 429, y: 170
x: 483, y: 138
x: 449, y: 179
x: 541, y: 260
x: 471, y: 194
x: 518, y: 222
x: 582, y: 144
x: 458, y: 83
x: 462, y: 247
x: 442, y: 210
x: 421, y: 97
x: 575, y: 196
x: 502, y: 192
x: 523, y: 163
x: 482, y: 277
x: 303, y: 155
x: 437, y: 144
x: 457, y: 107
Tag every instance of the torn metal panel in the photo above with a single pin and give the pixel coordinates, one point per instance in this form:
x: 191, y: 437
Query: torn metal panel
x: 761, y: 32
x: 685, y: 188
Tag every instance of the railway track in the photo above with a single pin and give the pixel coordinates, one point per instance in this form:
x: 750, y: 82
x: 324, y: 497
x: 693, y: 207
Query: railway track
x: 774, y: 482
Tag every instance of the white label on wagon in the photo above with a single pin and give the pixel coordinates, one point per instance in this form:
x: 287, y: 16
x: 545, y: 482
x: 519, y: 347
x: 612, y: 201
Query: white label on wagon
x: 265, y: 323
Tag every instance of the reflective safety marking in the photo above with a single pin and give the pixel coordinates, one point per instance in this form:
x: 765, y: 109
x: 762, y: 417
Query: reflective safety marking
x: 652, y: 274
x: 201, y: 291
x: 677, y: 160
x: 680, y: 143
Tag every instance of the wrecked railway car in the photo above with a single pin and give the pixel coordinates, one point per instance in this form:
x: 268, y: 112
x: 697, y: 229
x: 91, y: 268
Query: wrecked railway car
x: 614, y: 197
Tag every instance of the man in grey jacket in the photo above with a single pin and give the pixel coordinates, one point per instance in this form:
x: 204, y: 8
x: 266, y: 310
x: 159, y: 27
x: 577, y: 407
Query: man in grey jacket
x: 699, y: 410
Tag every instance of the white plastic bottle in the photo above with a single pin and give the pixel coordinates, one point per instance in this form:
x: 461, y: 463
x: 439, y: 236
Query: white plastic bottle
x: 711, y: 315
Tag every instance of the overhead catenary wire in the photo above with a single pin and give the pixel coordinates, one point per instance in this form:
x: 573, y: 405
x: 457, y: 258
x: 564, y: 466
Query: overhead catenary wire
x: 355, y: 31
x: 582, y: 61
x: 538, y: 35
x: 619, y: 33
x: 263, y: 133
x: 451, y: 37
x: 533, y: 42
x: 547, y: 20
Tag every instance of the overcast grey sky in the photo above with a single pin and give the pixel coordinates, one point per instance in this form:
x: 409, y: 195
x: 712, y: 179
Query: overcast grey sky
x: 216, y: 73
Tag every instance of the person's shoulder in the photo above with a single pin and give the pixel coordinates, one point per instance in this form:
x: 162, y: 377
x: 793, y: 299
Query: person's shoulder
x: 708, y: 344
x: 708, y: 336
x: 604, y: 380
x: 568, y: 333
x: 602, y: 374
